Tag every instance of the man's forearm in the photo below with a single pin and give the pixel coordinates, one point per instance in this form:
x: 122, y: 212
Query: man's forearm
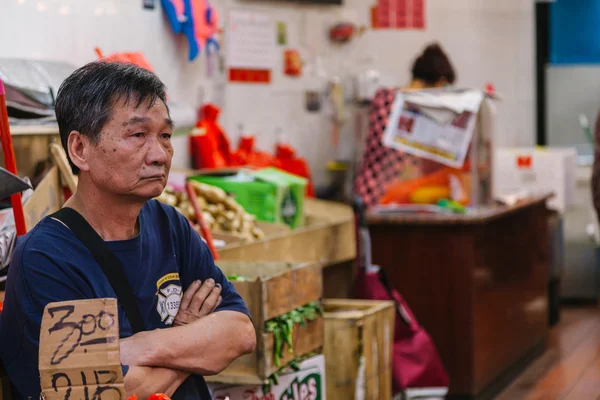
x: 146, y: 381
x: 204, y: 347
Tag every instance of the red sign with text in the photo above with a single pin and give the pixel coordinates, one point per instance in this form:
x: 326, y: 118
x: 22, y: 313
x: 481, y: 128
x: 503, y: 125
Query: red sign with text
x: 399, y: 14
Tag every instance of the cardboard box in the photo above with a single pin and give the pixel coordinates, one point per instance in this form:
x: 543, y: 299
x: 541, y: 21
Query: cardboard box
x: 270, y: 196
x: 47, y: 198
x: 537, y: 170
x: 307, y: 383
x: 274, y: 289
x: 79, y: 351
x: 292, y: 203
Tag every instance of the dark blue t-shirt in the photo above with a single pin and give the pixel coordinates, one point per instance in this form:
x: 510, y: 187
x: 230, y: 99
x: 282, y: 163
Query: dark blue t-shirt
x: 50, y: 264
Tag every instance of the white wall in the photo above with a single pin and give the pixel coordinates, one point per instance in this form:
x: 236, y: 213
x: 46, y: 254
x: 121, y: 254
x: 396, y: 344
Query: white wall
x: 571, y: 90
x: 487, y: 40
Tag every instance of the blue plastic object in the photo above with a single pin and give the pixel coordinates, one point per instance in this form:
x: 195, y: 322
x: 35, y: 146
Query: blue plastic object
x: 574, y: 32
x: 172, y: 17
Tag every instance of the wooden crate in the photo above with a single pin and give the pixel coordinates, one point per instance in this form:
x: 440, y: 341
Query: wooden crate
x: 327, y: 237
x: 358, y: 348
x: 274, y: 289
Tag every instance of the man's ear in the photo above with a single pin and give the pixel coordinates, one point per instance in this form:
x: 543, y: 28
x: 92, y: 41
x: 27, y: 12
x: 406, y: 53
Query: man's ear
x: 78, y: 146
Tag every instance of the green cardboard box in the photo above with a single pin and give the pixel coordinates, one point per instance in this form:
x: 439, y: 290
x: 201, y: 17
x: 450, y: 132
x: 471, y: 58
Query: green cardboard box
x: 291, y: 211
x: 271, y: 195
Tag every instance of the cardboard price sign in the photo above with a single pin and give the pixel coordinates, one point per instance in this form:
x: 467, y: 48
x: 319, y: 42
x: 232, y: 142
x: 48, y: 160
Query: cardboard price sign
x: 79, y: 351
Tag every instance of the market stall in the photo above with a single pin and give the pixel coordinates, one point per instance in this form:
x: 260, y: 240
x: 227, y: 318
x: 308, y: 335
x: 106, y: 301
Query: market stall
x: 281, y: 160
x: 477, y: 282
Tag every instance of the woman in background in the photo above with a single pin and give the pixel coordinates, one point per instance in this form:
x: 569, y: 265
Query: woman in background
x: 431, y: 69
x: 381, y: 165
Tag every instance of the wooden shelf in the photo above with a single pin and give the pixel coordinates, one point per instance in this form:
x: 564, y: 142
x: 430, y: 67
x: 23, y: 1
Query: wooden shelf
x: 22, y: 130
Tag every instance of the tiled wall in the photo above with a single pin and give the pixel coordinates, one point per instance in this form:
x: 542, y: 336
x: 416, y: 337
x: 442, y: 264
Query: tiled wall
x: 489, y: 41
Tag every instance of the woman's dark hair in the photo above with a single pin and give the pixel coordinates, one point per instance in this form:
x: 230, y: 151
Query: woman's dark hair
x: 432, y: 65
x: 85, y: 100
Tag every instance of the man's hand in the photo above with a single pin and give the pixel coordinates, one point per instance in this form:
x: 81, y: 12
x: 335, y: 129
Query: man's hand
x: 199, y: 300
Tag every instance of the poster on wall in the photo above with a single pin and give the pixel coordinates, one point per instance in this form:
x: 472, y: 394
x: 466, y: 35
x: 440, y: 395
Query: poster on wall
x: 398, y: 14
x: 251, y: 46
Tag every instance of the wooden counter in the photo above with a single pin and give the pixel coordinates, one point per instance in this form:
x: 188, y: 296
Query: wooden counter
x: 477, y: 283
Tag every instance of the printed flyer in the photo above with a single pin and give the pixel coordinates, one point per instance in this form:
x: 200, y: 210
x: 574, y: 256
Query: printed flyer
x: 437, y: 126
x: 306, y: 384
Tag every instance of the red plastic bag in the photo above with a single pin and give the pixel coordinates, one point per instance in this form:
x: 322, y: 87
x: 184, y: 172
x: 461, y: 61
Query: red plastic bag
x: 136, y: 58
x: 155, y: 396
x: 286, y: 160
x: 247, y: 155
x: 416, y: 363
x: 209, y: 145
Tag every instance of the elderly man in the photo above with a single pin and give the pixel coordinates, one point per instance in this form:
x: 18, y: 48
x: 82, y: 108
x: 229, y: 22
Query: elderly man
x: 115, y: 127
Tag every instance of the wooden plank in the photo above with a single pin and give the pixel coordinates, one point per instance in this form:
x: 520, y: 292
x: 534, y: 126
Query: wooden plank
x: 305, y: 340
x: 284, y: 286
x: 588, y: 386
x: 560, y: 379
x: 341, y: 338
x: 565, y: 340
x: 358, y: 348
x: 292, y: 289
x: 30, y: 150
x: 328, y: 238
x: 60, y: 158
x: 273, y: 289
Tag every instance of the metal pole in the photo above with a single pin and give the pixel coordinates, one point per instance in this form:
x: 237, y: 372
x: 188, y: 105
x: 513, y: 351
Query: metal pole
x: 11, y: 166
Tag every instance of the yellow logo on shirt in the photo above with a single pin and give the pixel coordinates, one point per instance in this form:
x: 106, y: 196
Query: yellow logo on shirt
x: 169, y: 297
x: 168, y: 277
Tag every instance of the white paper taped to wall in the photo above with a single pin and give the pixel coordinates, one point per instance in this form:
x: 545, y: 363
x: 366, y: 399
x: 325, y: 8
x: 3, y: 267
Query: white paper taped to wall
x: 251, y: 40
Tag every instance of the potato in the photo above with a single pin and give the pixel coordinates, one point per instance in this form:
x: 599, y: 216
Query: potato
x: 258, y: 233
x: 202, y: 202
x: 208, y: 218
x: 213, y: 194
x: 232, y: 225
x: 229, y: 215
x: 246, y: 227
x: 233, y: 205
x: 181, y: 196
x: 248, y: 217
x: 212, y: 208
x: 168, y: 199
x: 181, y: 211
x: 191, y: 212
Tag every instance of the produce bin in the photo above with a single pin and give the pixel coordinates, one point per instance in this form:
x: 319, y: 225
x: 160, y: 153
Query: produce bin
x: 272, y: 290
x: 358, y: 349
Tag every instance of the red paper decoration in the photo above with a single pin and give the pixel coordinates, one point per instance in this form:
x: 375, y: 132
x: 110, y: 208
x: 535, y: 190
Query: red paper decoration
x: 399, y: 14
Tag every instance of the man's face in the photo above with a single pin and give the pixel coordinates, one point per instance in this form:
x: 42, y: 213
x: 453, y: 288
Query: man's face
x: 134, y: 152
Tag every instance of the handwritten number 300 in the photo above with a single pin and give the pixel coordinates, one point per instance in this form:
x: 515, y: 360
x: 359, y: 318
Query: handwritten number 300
x: 85, y: 327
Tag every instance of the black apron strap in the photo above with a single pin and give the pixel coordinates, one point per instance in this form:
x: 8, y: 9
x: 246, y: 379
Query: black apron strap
x: 110, y: 264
